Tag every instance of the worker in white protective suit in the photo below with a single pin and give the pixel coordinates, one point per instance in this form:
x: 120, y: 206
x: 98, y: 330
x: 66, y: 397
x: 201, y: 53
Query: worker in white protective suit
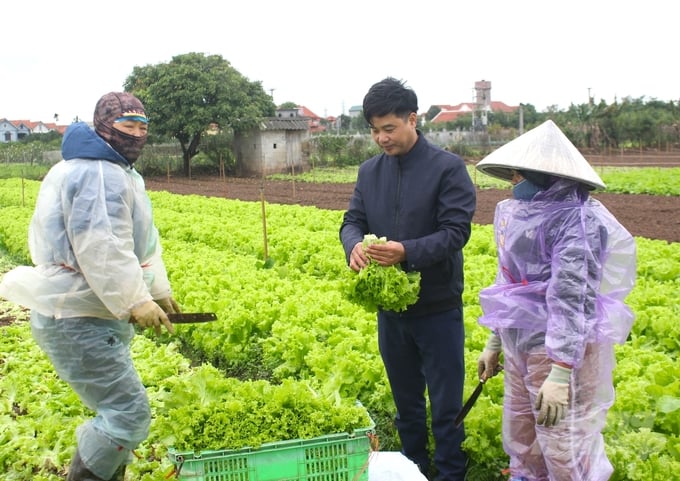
x: 556, y: 308
x: 98, y: 270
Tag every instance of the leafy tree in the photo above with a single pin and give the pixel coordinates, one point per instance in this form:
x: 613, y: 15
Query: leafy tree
x: 462, y: 122
x: 191, y: 92
x: 345, y: 122
x: 217, y: 148
x: 288, y: 106
x: 432, y: 112
x: 358, y: 124
x: 605, y: 119
x: 52, y: 137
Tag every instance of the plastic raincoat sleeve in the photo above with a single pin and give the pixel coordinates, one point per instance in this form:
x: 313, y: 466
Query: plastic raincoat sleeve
x: 571, y: 292
x: 155, y: 274
x: 564, y: 273
x: 98, y: 210
x: 594, y: 269
x: 619, y: 271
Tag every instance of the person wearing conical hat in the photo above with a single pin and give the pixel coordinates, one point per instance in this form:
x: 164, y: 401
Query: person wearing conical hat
x: 556, y: 307
x: 98, y: 269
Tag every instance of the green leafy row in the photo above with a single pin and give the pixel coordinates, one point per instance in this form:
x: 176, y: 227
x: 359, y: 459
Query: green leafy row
x: 620, y: 180
x: 292, y: 322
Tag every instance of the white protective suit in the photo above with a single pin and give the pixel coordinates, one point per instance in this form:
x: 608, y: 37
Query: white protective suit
x: 94, y: 245
x: 96, y: 254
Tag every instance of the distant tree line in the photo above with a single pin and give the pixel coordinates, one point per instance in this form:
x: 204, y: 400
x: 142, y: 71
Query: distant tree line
x: 629, y: 123
x: 626, y: 124
x: 195, y: 93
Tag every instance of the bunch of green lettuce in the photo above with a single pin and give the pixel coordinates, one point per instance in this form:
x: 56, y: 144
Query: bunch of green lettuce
x: 204, y: 410
x: 389, y: 288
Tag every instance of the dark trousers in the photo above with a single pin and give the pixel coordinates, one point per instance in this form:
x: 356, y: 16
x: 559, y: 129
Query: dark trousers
x: 419, y: 353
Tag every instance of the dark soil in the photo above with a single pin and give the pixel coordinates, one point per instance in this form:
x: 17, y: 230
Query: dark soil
x: 653, y: 217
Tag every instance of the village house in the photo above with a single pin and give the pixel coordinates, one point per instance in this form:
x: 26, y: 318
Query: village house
x: 355, y: 111
x: 277, y: 145
x: 14, y: 130
x: 302, y: 112
x: 478, y: 109
x: 449, y: 113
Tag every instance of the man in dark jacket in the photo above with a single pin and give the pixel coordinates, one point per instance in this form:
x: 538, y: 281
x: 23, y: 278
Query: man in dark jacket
x: 420, y: 197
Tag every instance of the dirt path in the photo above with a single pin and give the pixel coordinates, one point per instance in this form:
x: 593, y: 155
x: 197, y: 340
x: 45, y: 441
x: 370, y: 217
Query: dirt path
x: 653, y: 217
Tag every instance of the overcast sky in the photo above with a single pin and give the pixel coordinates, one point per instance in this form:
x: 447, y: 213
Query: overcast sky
x: 60, y: 57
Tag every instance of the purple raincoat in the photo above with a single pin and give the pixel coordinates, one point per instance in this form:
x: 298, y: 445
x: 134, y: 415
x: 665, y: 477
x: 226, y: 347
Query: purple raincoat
x: 565, y: 266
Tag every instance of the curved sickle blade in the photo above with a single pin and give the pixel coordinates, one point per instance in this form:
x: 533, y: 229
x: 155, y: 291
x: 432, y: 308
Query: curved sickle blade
x: 468, y: 404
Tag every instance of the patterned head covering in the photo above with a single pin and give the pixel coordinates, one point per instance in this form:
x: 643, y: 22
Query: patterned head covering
x: 116, y: 107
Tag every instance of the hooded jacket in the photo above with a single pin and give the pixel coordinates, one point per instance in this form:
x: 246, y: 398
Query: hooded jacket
x: 92, y: 239
x: 425, y: 200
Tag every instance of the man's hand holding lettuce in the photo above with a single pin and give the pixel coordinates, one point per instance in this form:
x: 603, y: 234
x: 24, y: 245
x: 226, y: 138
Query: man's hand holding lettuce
x: 385, y: 287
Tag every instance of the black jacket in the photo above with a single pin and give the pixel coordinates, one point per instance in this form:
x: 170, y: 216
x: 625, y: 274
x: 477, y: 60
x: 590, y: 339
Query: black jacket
x: 426, y: 201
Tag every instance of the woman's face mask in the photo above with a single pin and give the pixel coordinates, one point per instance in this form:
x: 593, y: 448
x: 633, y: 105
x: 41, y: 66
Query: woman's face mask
x: 116, y: 118
x: 525, y: 190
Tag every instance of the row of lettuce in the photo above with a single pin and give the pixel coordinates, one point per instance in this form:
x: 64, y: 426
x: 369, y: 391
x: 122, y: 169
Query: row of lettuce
x: 286, y: 333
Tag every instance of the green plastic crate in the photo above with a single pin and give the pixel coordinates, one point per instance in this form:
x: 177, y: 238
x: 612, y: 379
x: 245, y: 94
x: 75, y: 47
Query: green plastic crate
x: 333, y: 457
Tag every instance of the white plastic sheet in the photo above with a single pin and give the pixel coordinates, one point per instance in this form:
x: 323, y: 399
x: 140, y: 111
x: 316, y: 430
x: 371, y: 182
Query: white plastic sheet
x: 392, y: 466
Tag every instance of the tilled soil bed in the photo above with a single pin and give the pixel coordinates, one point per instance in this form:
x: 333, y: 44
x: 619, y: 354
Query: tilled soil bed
x: 653, y: 217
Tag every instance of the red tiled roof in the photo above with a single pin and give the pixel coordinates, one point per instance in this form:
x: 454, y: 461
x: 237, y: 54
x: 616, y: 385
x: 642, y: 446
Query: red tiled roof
x: 19, y: 123
x: 30, y: 124
x: 449, y: 113
x: 308, y: 113
x: 497, y: 106
x: 448, y: 116
x: 313, y: 120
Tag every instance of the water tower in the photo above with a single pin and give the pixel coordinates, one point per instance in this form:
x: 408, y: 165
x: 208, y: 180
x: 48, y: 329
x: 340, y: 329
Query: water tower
x: 482, y: 103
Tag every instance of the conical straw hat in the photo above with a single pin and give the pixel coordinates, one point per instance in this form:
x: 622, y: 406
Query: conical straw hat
x: 542, y: 149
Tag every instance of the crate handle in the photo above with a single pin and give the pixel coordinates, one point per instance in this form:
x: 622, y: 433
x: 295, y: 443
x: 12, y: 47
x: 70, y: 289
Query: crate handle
x: 176, y: 469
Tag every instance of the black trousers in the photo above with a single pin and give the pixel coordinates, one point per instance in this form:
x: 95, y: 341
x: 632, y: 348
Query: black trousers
x: 427, y: 353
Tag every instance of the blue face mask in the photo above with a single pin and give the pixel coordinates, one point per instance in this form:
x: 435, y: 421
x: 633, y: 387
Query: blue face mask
x: 525, y: 190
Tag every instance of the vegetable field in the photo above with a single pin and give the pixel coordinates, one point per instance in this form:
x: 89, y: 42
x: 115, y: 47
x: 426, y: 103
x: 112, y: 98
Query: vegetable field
x: 290, y: 353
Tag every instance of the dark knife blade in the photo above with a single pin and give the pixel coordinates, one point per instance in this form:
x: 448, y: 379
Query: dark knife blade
x: 191, y: 317
x: 468, y: 404
x: 473, y: 397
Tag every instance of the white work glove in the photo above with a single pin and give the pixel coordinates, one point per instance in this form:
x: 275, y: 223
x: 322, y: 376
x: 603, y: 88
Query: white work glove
x: 553, y: 397
x: 149, y: 314
x: 169, y: 305
x: 488, y: 364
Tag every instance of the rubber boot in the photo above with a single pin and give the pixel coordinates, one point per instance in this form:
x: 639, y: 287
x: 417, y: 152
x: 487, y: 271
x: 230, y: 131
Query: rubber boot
x: 79, y: 472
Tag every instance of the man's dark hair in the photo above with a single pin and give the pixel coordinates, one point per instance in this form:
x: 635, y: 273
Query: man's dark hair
x: 389, y: 96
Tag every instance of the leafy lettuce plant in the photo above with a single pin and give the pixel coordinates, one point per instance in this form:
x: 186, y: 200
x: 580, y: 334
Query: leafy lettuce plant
x: 386, y: 287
